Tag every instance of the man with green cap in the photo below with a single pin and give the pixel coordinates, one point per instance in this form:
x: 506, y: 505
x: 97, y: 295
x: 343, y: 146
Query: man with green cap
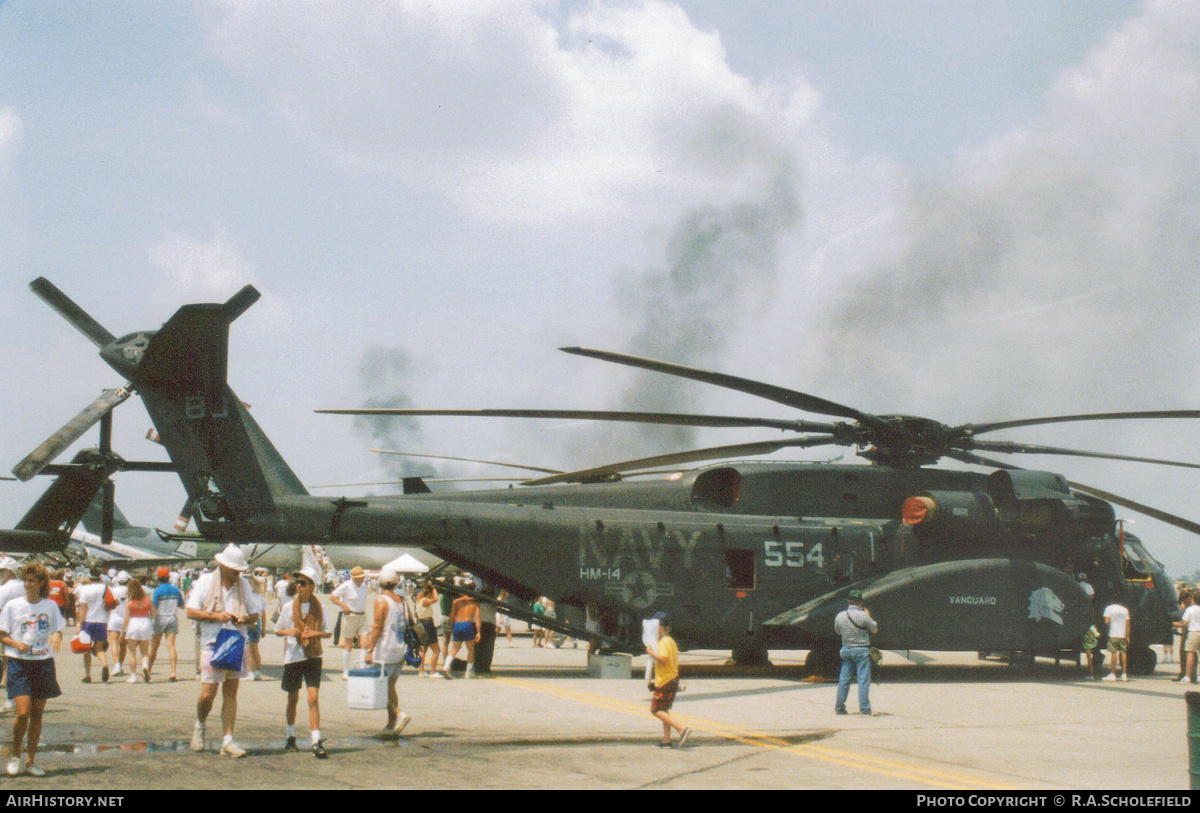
x: 855, y: 625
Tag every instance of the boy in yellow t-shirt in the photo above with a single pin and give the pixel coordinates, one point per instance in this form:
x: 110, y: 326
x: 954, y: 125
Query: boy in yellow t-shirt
x: 666, y: 681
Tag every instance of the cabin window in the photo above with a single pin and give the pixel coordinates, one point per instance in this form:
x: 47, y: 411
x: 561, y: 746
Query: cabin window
x: 739, y: 569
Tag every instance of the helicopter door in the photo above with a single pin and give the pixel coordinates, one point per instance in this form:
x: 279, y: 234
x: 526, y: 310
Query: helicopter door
x: 741, y: 578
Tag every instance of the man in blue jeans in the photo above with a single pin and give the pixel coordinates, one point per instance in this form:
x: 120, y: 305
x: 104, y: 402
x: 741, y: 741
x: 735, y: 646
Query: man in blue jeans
x: 855, y: 625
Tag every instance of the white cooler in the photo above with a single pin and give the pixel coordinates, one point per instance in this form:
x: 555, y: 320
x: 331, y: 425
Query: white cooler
x: 367, y: 688
x: 610, y: 666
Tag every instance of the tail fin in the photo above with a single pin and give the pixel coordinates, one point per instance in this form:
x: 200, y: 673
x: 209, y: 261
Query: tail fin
x: 229, y: 468
x: 93, y: 516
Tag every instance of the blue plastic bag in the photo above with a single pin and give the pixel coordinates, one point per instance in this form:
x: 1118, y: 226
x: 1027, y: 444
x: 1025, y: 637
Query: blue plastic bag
x: 229, y: 651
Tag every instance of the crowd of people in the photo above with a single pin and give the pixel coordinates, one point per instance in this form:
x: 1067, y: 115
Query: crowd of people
x: 123, y: 620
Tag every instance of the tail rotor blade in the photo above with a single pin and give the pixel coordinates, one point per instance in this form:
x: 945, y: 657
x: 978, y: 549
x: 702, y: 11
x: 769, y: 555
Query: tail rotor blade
x: 67, y: 309
x: 71, y: 432
x: 185, y: 515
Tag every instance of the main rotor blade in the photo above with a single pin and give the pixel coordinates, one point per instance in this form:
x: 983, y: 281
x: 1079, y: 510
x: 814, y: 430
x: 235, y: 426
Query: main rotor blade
x: 1162, y: 516
x: 469, y: 460
x: 792, y: 398
x: 672, y: 418
x: 980, y: 428
x: 77, y: 316
x: 1008, y: 447
x: 696, y: 455
x: 426, y: 480
x: 71, y: 432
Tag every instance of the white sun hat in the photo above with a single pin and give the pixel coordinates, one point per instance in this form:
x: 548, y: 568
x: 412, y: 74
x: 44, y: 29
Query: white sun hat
x: 308, y: 573
x: 232, y: 558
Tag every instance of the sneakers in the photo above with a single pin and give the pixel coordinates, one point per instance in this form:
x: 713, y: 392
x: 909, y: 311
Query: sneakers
x: 1125, y: 678
x: 291, y: 745
x: 133, y: 679
x: 14, y: 767
x: 232, y: 749
x: 146, y: 674
x: 345, y: 675
x: 840, y: 711
x: 198, y: 738
x: 389, y: 734
x: 446, y: 674
x: 1185, y: 680
x: 104, y: 674
x: 258, y: 676
x: 663, y: 745
x: 33, y: 770
x: 1111, y: 676
x: 318, y: 749
x: 683, y: 738
x: 114, y: 673
x: 402, y: 722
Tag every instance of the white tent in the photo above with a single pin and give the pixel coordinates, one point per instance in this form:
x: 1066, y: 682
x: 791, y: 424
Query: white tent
x: 406, y: 564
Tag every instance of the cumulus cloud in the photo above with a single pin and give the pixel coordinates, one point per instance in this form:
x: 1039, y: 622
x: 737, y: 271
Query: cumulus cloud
x: 10, y: 135
x: 512, y: 110
x: 1053, y: 270
x: 209, y: 269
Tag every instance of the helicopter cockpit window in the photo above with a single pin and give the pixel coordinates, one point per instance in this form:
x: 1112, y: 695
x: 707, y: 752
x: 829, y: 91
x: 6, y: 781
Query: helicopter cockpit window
x: 1135, y: 564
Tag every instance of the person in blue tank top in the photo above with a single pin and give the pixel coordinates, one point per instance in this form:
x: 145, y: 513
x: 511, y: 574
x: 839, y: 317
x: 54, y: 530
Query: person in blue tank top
x: 167, y: 600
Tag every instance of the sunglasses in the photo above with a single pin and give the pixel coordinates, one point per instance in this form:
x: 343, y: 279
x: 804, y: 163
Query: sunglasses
x: 304, y: 583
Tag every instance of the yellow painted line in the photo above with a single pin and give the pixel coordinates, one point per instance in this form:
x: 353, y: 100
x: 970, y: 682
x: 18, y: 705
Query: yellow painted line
x: 822, y: 753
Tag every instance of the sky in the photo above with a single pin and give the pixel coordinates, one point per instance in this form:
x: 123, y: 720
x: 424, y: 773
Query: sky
x: 970, y: 211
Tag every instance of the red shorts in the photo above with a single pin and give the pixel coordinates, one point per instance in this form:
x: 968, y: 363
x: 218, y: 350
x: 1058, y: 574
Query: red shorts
x: 664, y: 696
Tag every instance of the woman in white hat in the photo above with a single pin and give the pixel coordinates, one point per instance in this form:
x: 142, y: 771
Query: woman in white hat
x: 303, y: 623
x: 220, y: 600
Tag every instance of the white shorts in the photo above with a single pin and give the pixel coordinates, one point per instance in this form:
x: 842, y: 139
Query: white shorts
x: 139, y: 629
x: 210, y: 675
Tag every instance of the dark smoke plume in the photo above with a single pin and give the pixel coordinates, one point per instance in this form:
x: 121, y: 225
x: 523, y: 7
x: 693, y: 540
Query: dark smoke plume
x: 384, y: 376
x: 721, y: 271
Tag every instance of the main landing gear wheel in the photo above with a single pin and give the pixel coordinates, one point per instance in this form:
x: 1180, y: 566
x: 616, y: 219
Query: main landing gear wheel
x: 825, y: 663
x: 1142, y: 660
x: 749, y: 655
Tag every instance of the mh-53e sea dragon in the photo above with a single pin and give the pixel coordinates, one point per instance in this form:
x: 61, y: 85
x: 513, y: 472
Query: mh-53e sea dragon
x: 746, y: 556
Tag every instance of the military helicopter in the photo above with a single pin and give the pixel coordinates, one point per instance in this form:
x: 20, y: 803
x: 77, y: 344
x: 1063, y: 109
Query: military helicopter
x: 747, y: 556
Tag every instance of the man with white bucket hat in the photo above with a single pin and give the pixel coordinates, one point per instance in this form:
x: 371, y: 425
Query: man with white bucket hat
x: 220, y: 600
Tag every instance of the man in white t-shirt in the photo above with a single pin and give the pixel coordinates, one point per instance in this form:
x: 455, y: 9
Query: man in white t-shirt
x: 351, y: 598
x: 1191, y: 646
x: 93, y: 621
x: 221, y: 600
x: 1117, y: 618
